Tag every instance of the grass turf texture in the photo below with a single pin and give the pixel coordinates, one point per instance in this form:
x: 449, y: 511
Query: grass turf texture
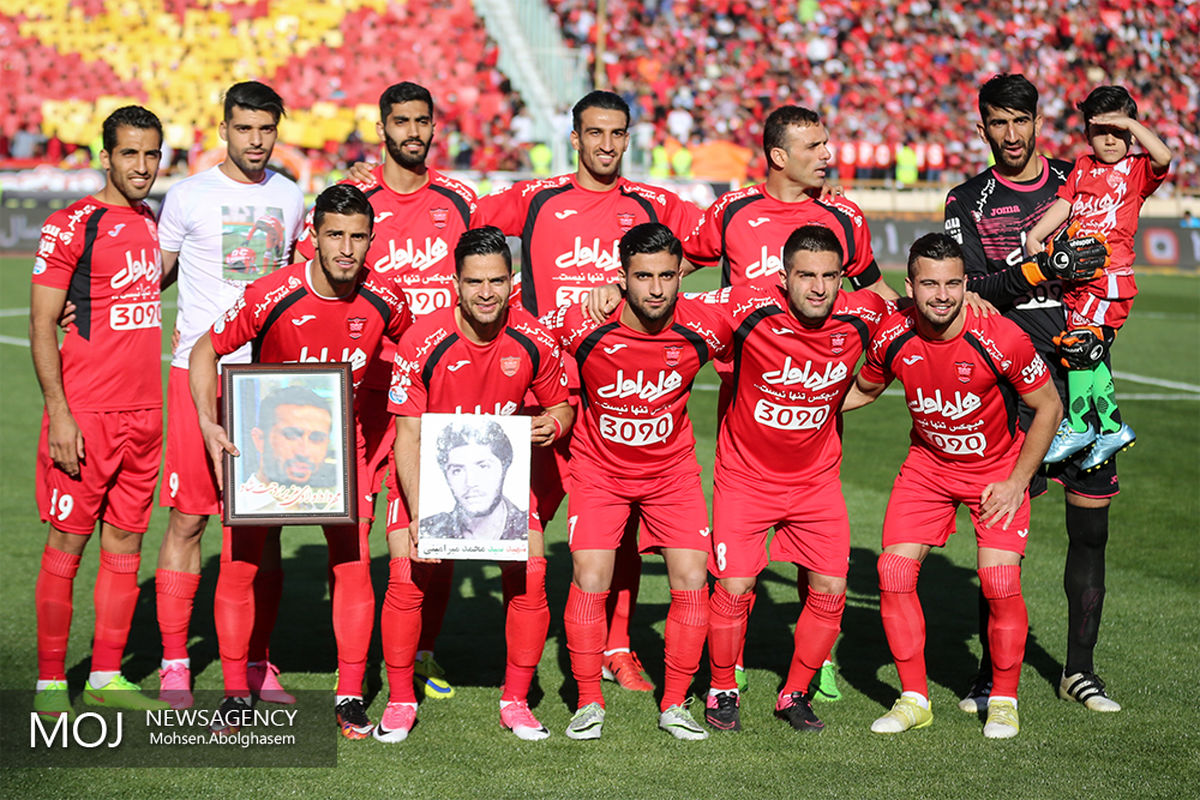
x: 1146, y: 654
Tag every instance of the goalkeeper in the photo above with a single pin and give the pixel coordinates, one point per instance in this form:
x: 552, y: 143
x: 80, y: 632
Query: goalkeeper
x: 1103, y: 194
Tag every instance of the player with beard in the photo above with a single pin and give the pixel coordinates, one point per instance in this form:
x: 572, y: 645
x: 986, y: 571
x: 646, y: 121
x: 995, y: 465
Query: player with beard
x: 634, y: 444
x: 988, y: 216
x: 203, y: 229
x: 98, y: 454
x: 962, y: 373
x: 481, y: 357
x: 569, y: 228
x: 344, y: 314
x: 779, y: 451
x: 420, y: 214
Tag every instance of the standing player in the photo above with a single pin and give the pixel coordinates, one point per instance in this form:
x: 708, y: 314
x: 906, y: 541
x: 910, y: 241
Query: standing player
x: 794, y: 351
x: 1104, y: 193
x: 205, y: 229
x: 419, y: 215
x: 102, y: 422
x: 480, y: 357
x: 634, y: 444
x: 569, y: 228
x: 988, y: 216
x: 333, y: 307
x: 962, y: 373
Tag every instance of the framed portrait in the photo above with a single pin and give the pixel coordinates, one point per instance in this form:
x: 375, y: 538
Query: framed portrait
x: 293, y: 426
x: 474, y: 487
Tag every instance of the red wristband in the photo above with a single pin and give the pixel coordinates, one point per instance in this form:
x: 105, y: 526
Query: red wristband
x: 557, y: 426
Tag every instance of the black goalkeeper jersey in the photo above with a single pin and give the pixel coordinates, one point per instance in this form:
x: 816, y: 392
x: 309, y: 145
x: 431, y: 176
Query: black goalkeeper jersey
x: 989, y: 216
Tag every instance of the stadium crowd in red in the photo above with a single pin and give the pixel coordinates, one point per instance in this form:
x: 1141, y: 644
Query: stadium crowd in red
x: 883, y: 70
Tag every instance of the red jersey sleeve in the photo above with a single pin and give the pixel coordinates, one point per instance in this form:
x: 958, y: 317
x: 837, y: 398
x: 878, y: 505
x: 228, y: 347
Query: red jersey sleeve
x: 305, y: 246
x: 1024, y: 369
x: 549, y: 385
x: 242, y: 322
x: 408, y: 396
x: 875, y: 368
x: 681, y: 216
x: 703, y: 245
x: 505, y: 209
x: 864, y: 256
x: 1068, y: 189
x: 57, y: 254
x: 1143, y: 173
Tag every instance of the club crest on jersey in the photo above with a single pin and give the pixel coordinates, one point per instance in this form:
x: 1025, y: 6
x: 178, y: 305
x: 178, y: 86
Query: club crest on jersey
x: 356, y: 326
x: 509, y: 365
x: 837, y: 342
x: 439, y: 217
x: 625, y: 219
x: 965, y: 369
x: 672, y: 353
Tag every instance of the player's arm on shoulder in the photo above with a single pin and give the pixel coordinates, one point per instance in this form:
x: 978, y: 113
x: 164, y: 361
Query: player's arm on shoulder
x: 361, y: 171
x: 881, y: 288
x: 65, y: 440
x: 862, y: 392
x: 202, y: 380
x: 602, y: 300
x: 1000, y: 501
x: 552, y: 424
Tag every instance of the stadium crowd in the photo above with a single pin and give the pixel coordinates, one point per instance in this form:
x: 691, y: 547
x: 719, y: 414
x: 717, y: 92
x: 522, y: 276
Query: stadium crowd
x: 693, y: 72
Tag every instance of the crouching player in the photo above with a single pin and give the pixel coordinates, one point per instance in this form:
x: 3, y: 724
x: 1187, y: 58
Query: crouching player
x: 794, y: 352
x: 633, y: 453
x: 479, y: 357
x: 962, y: 374
x: 329, y: 305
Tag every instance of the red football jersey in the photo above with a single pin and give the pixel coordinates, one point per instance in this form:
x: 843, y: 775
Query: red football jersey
x: 438, y: 369
x: 633, y: 419
x: 287, y: 322
x: 1107, y: 198
x: 782, y: 425
x: 748, y: 228
x: 415, y: 236
x: 569, y: 234
x: 962, y: 392
x: 107, y: 259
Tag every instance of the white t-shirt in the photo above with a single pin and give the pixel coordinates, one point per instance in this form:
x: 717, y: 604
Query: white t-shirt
x: 227, y: 234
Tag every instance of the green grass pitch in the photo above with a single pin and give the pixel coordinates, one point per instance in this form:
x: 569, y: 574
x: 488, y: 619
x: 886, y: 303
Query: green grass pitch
x: 1147, y: 653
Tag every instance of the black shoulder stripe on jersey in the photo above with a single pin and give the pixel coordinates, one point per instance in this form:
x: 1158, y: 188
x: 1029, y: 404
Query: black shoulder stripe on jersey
x: 890, y: 354
x: 864, y: 335
x: 535, y: 357
x: 435, y: 357
x: 1007, y: 390
x: 529, y: 297
x: 646, y: 205
x: 464, y: 210
x: 695, y: 340
x: 847, y: 229
x: 378, y: 302
x: 739, y: 339
x: 727, y: 218
x: 867, y: 277
x: 590, y: 341
x: 280, y: 307
x: 79, y: 291
x: 373, y: 190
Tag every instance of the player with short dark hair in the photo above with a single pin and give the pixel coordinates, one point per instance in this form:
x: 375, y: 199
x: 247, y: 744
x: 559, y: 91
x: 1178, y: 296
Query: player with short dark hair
x: 209, y: 228
x: 420, y: 213
x: 344, y: 313
x: 569, y: 228
x: 988, y: 216
x: 634, y: 444
x: 778, y: 460
x: 480, y: 357
x: 1104, y: 194
x: 102, y: 421
x: 962, y: 374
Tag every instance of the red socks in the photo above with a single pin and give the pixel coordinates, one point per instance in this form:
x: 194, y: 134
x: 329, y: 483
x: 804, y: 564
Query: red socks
x: 175, y: 593
x: 903, y: 619
x: 687, y: 626
x: 622, y: 597
x: 233, y: 613
x: 435, y: 580
x: 268, y: 593
x: 583, y: 620
x: 816, y: 630
x: 726, y: 634
x: 353, y: 618
x: 527, y: 621
x: 115, y: 598
x: 1008, y: 625
x: 52, y: 597
x: 400, y: 628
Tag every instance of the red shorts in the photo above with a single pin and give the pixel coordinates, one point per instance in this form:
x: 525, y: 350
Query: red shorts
x: 926, y: 495
x: 671, y: 509
x: 116, y: 476
x: 188, y: 480
x: 812, y: 528
x: 1104, y: 301
x: 550, y: 467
